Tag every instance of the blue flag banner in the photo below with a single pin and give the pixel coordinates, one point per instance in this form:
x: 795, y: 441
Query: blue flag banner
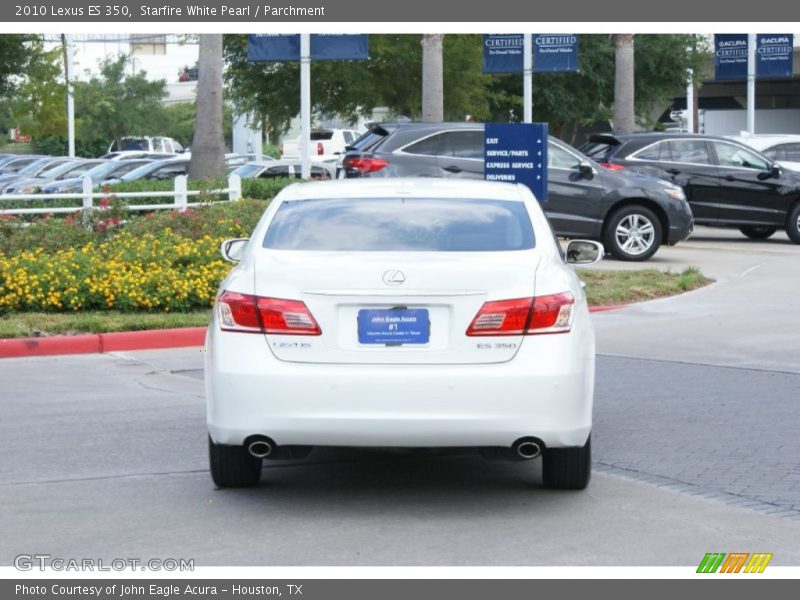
x: 774, y: 53
x: 517, y: 153
x: 555, y: 52
x: 502, y: 53
x: 278, y: 48
x: 730, y: 56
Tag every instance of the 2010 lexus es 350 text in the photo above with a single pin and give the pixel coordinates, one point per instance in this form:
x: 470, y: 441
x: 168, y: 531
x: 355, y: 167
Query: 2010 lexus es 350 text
x: 402, y: 313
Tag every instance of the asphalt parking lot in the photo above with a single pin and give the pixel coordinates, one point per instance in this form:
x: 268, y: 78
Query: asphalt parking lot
x: 695, y: 451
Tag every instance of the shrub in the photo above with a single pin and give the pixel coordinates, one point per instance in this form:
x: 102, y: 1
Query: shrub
x: 261, y: 189
x: 129, y: 272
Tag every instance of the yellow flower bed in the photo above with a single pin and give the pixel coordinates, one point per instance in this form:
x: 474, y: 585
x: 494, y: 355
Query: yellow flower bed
x: 151, y: 273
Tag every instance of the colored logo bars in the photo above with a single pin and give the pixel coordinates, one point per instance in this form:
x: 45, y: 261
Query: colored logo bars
x: 737, y: 562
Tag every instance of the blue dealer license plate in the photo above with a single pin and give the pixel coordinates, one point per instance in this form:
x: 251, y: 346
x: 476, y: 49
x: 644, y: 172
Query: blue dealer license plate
x: 394, y: 326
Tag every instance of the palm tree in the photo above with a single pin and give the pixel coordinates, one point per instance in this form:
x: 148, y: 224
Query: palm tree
x: 624, y: 120
x: 432, y: 78
x: 208, y: 145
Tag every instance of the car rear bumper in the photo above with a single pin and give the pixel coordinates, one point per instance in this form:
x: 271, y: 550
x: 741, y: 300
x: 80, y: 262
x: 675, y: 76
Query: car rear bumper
x: 545, y: 391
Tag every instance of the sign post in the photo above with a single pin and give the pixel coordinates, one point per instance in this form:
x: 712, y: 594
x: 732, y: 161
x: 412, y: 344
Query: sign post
x: 305, y: 105
x: 751, y: 83
x: 527, y: 75
x: 517, y: 153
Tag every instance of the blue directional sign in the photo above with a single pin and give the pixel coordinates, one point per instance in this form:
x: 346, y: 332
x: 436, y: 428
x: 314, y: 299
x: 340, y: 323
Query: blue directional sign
x: 502, y: 53
x: 517, y: 153
x: 278, y: 47
x: 555, y: 52
x: 774, y: 54
x: 730, y: 56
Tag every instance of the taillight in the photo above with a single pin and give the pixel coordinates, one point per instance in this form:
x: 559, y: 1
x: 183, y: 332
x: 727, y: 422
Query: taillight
x: 320, y: 149
x: 365, y: 164
x: 504, y: 317
x: 524, y: 316
x: 255, y: 314
x: 611, y: 166
x: 552, y: 314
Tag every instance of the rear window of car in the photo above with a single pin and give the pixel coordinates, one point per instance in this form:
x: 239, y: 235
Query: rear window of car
x: 401, y: 224
x: 366, y: 141
x: 598, y: 150
x: 321, y: 136
x: 135, y: 144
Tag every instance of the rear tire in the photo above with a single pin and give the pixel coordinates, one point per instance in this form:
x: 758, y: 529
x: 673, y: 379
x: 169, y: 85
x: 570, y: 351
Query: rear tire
x: 633, y: 233
x: 232, y: 466
x: 758, y: 232
x: 567, y: 468
x: 793, y: 225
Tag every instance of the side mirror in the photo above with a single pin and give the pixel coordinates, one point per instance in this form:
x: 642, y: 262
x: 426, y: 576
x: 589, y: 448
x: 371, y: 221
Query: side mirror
x: 586, y: 170
x: 584, y: 252
x: 233, y: 250
x: 773, y: 173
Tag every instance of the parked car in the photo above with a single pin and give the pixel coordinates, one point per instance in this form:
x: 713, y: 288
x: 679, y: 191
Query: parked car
x: 727, y: 183
x: 107, y: 172
x: 132, y: 154
x: 32, y: 168
x: 325, y: 144
x: 285, y: 168
x: 783, y: 149
x: 146, y: 143
x: 159, y: 169
x: 392, y: 313
x: 67, y: 170
x: 14, y: 164
x: 632, y: 215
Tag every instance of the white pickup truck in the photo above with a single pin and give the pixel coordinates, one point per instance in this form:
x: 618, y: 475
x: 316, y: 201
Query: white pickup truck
x: 326, y: 144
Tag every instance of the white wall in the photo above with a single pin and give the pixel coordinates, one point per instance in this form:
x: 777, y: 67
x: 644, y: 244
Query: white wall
x: 732, y: 122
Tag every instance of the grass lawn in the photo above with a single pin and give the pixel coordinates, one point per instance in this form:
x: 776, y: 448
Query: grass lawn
x: 602, y: 288
x: 625, y: 287
x: 95, y: 321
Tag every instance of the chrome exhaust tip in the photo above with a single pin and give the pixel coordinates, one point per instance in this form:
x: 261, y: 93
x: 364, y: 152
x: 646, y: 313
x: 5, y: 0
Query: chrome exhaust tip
x: 260, y: 448
x: 527, y: 448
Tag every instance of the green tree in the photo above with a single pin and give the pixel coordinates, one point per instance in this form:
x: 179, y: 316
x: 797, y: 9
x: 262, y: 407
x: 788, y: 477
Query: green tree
x: 113, y: 104
x: 14, y: 56
x: 570, y: 100
x: 179, y: 121
x: 39, y: 103
x: 391, y: 77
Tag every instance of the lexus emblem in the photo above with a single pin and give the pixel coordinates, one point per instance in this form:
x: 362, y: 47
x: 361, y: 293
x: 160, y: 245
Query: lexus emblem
x: 394, y: 277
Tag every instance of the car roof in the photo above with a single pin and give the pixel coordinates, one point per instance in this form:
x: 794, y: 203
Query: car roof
x: 415, y: 187
x: 651, y: 136
x: 764, y: 141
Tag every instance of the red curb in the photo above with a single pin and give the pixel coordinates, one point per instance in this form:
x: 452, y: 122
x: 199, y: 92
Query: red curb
x: 593, y: 309
x: 126, y: 340
x: 153, y: 339
x: 103, y: 342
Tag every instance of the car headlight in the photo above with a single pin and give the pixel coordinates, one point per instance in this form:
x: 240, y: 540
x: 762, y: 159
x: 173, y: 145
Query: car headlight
x: 672, y: 190
x: 675, y: 192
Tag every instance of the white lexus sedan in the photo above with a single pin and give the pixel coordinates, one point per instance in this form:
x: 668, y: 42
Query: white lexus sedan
x: 431, y: 313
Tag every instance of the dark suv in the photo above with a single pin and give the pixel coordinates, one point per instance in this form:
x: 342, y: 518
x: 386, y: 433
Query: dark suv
x: 631, y: 214
x: 727, y: 183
